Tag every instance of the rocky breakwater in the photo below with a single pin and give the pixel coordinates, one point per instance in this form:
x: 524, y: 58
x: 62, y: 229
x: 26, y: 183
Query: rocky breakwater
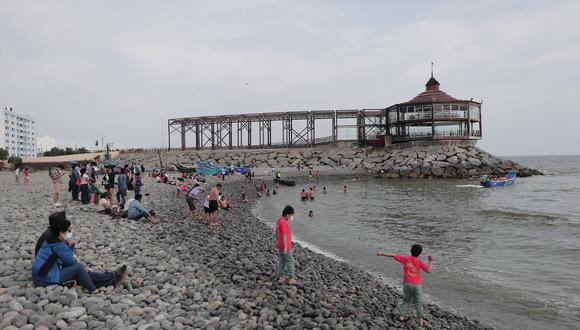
x: 442, y: 160
x: 185, y: 275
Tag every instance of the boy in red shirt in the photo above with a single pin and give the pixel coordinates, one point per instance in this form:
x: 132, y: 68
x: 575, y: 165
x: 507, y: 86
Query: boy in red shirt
x: 284, y: 236
x: 412, y: 291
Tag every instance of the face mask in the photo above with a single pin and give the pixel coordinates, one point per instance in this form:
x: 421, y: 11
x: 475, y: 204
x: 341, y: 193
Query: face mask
x: 68, y: 236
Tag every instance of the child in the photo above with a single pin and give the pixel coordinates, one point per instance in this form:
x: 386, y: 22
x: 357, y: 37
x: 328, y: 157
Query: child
x: 304, y: 195
x: 138, y: 184
x: 284, y: 238
x: 412, y: 266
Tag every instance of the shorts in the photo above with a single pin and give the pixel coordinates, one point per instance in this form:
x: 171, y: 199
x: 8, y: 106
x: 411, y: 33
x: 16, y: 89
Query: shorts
x: 206, y: 210
x: 213, y: 206
x: 190, y: 202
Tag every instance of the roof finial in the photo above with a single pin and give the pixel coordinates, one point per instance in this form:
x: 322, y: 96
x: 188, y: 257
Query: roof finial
x: 431, y: 69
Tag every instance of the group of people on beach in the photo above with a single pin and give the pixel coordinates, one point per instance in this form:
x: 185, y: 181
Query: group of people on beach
x: 55, y: 263
x: 25, y: 173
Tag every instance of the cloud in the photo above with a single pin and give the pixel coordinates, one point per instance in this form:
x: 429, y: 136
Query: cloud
x: 86, y: 71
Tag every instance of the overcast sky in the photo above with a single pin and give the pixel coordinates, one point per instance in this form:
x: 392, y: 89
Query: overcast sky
x: 120, y: 69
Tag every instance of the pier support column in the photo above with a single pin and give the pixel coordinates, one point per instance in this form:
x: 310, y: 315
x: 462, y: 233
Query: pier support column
x: 182, y: 136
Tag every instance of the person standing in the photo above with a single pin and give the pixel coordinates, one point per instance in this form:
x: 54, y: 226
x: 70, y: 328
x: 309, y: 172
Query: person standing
x: 214, y: 196
x: 412, y: 290
x: 284, y: 238
x: 85, y: 181
x: 56, y: 174
x: 17, y: 175
x: 111, y: 186
x: 75, y: 182
x: 122, y: 187
x: 138, y: 184
x: 26, y: 175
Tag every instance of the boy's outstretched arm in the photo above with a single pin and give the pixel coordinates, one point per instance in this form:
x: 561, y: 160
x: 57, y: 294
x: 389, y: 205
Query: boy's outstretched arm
x: 382, y: 254
x: 430, y: 264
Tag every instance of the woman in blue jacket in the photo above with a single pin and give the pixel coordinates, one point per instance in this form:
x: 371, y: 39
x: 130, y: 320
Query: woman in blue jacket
x: 55, y: 263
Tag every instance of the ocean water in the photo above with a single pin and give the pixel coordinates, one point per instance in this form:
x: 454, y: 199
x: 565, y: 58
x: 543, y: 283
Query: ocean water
x: 509, y: 256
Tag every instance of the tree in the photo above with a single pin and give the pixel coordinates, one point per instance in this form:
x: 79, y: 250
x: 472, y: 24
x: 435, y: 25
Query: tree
x: 15, y: 161
x: 3, y: 154
x: 82, y: 150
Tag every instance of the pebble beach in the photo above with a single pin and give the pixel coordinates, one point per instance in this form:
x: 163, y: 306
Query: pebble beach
x: 183, y: 274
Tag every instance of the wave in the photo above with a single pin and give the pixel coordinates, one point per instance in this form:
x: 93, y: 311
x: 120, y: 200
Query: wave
x: 518, y: 215
x: 468, y: 186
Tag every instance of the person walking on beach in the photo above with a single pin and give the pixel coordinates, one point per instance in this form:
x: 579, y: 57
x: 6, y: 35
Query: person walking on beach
x: 191, y: 198
x: 26, y: 175
x: 284, y: 238
x: 17, y: 175
x: 412, y: 291
x: 56, y: 174
x: 214, y: 196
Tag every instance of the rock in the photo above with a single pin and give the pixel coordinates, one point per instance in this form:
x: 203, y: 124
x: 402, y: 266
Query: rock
x: 15, y: 306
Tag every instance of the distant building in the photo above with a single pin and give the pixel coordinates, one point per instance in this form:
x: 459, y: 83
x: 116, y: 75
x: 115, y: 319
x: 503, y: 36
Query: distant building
x: 17, y: 134
x: 434, y: 115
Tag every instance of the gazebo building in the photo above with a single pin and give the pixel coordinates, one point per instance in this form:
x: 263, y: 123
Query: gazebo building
x: 434, y: 115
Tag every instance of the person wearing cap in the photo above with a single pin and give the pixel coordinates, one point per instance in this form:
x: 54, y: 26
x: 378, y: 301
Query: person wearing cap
x: 55, y: 263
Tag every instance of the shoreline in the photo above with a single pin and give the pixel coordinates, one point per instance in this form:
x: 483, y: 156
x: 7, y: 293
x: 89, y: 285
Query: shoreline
x: 183, y: 274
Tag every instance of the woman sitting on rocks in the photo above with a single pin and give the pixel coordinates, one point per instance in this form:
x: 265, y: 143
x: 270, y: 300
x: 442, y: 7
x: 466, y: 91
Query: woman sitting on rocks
x: 55, y: 263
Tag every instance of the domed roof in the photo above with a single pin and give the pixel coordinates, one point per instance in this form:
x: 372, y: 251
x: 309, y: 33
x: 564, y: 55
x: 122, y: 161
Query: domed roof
x: 432, y: 94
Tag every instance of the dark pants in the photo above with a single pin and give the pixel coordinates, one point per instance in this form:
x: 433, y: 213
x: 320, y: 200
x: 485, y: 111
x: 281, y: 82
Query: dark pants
x: 89, y: 280
x: 75, y: 192
x: 121, y: 193
x: 137, y: 191
x: 85, y: 193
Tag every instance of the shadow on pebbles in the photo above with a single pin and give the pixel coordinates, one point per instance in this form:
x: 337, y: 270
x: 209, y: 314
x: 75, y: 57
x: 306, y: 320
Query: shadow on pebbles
x: 183, y: 274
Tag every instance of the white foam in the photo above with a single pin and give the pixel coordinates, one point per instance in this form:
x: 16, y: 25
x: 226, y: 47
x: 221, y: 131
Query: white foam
x: 468, y: 186
x: 318, y: 250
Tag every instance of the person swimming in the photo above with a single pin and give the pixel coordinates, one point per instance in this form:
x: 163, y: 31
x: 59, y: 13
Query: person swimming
x: 304, y: 195
x: 311, y: 214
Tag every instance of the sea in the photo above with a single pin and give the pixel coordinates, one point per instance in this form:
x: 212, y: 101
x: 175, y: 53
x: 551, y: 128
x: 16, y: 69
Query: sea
x: 508, y: 256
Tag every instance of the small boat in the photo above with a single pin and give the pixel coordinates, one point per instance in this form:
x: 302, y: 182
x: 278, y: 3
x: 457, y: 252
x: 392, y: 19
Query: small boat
x: 290, y: 183
x: 489, y: 181
x: 184, y: 169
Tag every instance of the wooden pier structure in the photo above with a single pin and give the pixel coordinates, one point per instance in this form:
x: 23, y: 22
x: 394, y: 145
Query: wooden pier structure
x: 298, y: 129
x: 431, y: 115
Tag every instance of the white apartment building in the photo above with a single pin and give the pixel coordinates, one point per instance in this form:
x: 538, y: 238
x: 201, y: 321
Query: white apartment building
x: 17, y: 134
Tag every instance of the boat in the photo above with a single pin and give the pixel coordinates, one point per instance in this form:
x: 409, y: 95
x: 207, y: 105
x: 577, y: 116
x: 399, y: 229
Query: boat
x: 290, y: 183
x: 185, y: 169
x: 508, y: 179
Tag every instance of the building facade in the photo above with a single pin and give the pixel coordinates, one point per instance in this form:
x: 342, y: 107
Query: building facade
x: 434, y: 115
x: 17, y: 134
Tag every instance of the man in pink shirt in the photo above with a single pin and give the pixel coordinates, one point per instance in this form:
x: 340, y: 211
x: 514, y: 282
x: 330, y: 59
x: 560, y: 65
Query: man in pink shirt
x: 412, y: 291
x: 284, y: 236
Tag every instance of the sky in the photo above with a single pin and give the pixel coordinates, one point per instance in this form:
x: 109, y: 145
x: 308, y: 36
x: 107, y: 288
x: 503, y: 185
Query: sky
x: 117, y: 70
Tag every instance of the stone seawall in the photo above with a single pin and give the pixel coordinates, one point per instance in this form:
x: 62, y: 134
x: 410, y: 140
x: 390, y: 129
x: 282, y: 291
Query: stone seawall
x: 443, y: 160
